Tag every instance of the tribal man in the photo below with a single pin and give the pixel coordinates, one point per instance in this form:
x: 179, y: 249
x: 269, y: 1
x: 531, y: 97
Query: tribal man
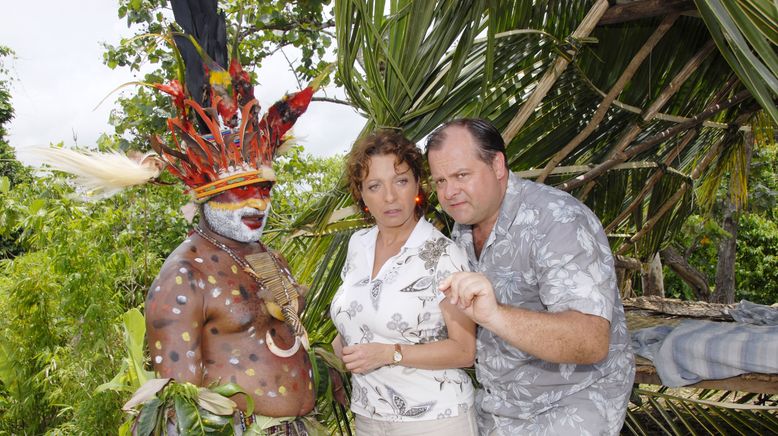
x: 211, y: 319
x: 223, y: 308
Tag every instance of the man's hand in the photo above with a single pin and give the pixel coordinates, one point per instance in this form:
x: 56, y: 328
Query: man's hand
x: 363, y: 358
x: 473, y: 294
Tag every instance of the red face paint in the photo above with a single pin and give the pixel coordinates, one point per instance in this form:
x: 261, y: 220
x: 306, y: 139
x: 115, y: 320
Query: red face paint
x: 236, y: 195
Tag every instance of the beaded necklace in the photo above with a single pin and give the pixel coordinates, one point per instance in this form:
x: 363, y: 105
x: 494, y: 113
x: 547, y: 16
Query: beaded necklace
x: 237, y: 258
x: 283, y: 299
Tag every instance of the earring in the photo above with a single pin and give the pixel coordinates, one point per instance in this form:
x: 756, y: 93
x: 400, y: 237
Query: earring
x: 418, y: 199
x: 366, y: 209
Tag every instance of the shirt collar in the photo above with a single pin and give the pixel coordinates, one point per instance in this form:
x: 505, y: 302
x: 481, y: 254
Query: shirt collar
x: 510, y: 205
x: 420, y: 234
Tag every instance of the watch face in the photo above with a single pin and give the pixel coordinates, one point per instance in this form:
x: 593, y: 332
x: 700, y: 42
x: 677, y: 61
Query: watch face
x: 397, y: 356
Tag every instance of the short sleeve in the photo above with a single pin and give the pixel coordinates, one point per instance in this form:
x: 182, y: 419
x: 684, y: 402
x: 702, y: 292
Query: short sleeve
x: 574, y: 261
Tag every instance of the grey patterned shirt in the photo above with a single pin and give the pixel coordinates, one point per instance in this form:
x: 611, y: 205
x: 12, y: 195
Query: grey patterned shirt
x: 548, y: 252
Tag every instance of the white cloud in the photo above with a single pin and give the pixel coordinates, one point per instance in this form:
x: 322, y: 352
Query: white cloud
x: 61, y: 78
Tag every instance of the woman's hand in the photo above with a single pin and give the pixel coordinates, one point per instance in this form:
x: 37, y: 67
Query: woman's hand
x: 363, y: 358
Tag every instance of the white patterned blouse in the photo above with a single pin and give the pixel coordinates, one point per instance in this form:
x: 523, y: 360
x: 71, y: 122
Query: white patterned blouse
x: 400, y: 305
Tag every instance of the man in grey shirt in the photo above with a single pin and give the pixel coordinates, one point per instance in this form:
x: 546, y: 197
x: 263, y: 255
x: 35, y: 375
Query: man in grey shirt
x: 553, y: 350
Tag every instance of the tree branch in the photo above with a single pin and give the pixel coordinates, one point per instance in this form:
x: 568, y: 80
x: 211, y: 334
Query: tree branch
x: 333, y: 100
x: 634, y: 128
x: 689, y: 274
x: 284, y: 26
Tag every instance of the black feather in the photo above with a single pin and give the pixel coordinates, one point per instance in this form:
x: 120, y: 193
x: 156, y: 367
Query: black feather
x: 201, y: 19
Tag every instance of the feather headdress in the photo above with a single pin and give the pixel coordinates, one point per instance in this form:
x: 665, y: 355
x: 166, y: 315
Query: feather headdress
x: 218, y: 141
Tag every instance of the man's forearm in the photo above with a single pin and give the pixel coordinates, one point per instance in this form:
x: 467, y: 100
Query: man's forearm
x: 562, y: 337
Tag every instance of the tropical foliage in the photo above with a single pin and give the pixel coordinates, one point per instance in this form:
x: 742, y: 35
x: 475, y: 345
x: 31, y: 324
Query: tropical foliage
x: 757, y: 241
x: 641, y: 115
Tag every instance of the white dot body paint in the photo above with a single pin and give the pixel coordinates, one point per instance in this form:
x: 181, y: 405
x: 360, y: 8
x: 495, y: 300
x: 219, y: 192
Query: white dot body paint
x: 198, y: 260
x: 158, y: 359
x: 272, y: 394
x: 234, y: 360
x: 215, y: 292
x: 190, y: 354
x: 177, y: 311
x: 181, y: 299
x: 183, y: 270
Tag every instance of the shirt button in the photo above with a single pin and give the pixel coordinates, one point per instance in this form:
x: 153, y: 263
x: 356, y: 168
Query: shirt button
x: 488, y: 391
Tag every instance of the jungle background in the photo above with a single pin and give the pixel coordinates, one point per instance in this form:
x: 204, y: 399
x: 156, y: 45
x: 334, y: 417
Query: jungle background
x: 660, y: 115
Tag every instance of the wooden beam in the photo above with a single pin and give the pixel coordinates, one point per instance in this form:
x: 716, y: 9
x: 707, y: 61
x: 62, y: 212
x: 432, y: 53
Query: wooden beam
x: 552, y: 74
x: 750, y: 382
x: 640, y: 9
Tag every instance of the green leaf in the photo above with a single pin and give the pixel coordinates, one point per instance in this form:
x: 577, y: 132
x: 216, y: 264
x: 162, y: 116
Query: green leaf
x: 230, y: 389
x: 37, y: 207
x: 217, y: 425
x: 134, y: 334
x: 148, y: 417
x: 5, y: 184
x: 189, y: 420
x: 214, y: 402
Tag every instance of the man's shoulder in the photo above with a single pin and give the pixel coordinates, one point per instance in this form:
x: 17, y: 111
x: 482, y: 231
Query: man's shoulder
x: 191, y: 253
x: 552, y: 205
x: 538, y: 193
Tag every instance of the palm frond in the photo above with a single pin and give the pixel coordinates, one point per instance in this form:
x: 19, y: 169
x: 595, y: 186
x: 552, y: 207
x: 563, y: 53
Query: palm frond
x: 697, y: 412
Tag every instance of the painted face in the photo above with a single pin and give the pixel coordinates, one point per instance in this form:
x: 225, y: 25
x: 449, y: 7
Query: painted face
x: 390, y: 192
x: 240, y: 213
x: 468, y: 188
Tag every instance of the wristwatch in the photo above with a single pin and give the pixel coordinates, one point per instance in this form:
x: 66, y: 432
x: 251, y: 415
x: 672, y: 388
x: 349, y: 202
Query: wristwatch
x: 397, y: 357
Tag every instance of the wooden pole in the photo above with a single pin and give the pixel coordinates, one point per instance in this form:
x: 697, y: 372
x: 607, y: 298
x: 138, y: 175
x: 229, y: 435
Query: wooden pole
x: 634, y: 128
x: 552, y: 74
x: 615, y: 90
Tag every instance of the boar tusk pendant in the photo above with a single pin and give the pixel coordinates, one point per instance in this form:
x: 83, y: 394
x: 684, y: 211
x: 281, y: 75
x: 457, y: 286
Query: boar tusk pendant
x: 278, y: 351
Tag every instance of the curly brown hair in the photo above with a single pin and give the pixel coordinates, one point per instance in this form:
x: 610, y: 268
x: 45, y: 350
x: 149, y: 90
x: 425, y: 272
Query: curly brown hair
x: 379, y: 143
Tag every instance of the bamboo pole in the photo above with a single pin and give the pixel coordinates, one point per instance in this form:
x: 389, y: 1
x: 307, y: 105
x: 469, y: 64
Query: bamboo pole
x: 666, y: 206
x: 695, y: 174
x: 652, y: 141
x: 634, y: 128
x: 615, y: 90
x: 552, y: 74
x: 653, y: 180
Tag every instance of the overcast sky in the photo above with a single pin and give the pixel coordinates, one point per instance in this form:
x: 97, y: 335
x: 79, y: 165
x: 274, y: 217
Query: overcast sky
x: 61, y: 78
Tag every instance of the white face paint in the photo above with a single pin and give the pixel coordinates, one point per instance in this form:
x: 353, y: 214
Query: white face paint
x: 229, y: 223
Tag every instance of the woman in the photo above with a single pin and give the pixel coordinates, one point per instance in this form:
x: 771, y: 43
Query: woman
x: 396, y: 333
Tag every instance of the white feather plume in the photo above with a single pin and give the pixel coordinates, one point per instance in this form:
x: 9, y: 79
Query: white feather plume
x: 101, y: 175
